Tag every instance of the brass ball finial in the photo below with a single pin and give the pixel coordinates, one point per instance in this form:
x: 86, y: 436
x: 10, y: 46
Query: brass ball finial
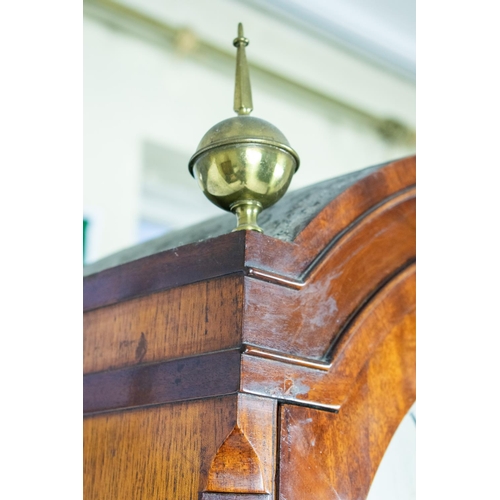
x: 244, y: 164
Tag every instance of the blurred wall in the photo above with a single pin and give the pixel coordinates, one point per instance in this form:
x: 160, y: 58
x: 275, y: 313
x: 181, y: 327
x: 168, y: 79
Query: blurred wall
x: 159, y: 74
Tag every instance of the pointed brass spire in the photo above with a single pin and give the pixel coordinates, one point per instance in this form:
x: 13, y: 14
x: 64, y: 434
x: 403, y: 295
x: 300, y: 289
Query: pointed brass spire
x: 244, y: 164
x: 242, y: 90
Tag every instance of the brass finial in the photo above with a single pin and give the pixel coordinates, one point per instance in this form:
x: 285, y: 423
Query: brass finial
x: 242, y: 89
x: 244, y: 164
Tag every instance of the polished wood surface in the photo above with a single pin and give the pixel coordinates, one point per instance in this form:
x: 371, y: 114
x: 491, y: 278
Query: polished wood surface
x: 192, y: 319
x: 393, y: 307
x: 295, y: 259
x: 338, y: 454
x: 219, y: 363
x: 165, y: 270
x: 163, y: 452
x: 217, y: 446
x: 259, y: 371
x: 208, y: 375
x: 246, y: 460
x: 308, y: 321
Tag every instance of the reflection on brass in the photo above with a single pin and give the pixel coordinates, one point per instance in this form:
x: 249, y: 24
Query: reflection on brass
x: 226, y: 170
x: 244, y: 164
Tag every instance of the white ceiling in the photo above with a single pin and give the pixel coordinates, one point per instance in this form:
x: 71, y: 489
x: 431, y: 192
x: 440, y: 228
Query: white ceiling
x: 380, y: 30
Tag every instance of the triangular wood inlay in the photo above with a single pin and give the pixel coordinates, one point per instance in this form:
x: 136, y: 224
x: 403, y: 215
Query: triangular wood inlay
x: 236, y: 467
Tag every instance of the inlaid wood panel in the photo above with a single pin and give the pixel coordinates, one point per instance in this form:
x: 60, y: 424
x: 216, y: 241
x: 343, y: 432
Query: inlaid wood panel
x: 206, y: 375
x: 156, y: 453
x: 219, y: 446
x: 192, y: 319
x: 260, y: 372
x: 180, y: 266
x: 246, y: 462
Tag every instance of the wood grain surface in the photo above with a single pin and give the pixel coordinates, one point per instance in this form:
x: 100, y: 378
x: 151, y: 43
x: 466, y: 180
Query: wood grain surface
x: 241, y: 250
x: 219, y: 446
x: 284, y: 378
x: 192, y: 319
x: 246, y: 460
x: 391, y: 309
x: 342, y: 262
x: 328, y: 456
x: 162, y: 452
x: 208, y: 375
x: 269, y: 334
x: 180, y: 266
x: 295, y: 259
x: 235, y: 496
x: 308, y: 321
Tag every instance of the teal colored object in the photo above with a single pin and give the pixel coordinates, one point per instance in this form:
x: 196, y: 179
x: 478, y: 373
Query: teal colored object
x: 85, y: 226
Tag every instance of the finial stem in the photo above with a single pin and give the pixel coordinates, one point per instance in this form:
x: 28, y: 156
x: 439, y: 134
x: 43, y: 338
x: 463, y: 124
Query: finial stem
x: 246, y: 212
x: 242, y: 90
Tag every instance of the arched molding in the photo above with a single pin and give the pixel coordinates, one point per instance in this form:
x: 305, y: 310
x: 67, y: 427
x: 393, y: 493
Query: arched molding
x: 294, y: 379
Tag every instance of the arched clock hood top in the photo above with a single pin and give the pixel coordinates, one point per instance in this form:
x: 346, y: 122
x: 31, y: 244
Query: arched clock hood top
x: 283, y: 221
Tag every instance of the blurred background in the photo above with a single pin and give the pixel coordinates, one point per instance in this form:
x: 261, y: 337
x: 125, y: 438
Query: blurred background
x: 336, y: 77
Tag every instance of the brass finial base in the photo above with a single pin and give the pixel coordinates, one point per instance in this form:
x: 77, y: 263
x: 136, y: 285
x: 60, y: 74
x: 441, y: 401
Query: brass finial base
x: 247, y: 212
